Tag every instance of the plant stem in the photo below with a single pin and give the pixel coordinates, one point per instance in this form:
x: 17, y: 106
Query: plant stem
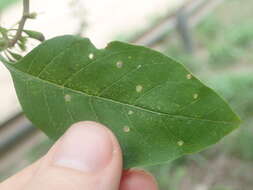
x: 21, y: 25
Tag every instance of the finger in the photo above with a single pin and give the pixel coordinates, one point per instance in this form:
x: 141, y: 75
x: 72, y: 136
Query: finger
x: 87, y: 156
x: 136, y: 180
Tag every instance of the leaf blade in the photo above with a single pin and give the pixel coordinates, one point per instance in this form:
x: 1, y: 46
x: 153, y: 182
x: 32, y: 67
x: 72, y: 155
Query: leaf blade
x: 156, y: 108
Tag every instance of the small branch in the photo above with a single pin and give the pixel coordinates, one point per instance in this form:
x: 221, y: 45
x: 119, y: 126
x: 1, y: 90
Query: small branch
x: 2, y: 59
x: 21, y: 25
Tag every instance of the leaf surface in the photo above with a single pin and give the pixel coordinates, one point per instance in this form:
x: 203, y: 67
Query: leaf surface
x: 157, y: 109
x: 6, y: 3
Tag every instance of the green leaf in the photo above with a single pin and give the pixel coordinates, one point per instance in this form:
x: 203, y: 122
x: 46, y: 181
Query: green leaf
x: 6, y: 3
x: 22, y: 43
x: 35, y: 35
x: 15, y: 56
x: 156, y: 108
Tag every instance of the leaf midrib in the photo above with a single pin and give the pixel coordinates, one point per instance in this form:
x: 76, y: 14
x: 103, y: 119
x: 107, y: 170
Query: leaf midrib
x: 114, y: 101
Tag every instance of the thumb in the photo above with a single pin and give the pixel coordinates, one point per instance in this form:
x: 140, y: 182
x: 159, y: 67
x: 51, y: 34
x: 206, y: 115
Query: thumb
x: 88, y: 156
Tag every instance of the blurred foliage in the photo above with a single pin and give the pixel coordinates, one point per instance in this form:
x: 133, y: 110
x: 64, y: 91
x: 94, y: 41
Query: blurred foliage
x: 237, y: 89
x: 170, y: 174
x: 221, y: 188
x: 224, y: 38
x: 241, y: 36
x: 222, y: 55
x: 227, y: 33
x: 243, y: 144
x: 6, y: 3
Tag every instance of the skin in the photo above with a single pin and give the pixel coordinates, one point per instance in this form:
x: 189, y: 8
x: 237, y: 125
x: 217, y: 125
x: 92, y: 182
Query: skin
x: 87, y: 156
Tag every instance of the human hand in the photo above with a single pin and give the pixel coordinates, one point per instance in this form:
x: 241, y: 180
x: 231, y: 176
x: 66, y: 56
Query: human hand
x: 87, y: 156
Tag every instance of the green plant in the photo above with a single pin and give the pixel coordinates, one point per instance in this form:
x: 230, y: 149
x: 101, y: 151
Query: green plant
x: 158, y: 110
x: 222, y: 55
x: 241, y: 36
x: 221, y: 187
x: 6, y: 3
x: 209, y: 28
x: 229, y: 85
x: 170, y: 175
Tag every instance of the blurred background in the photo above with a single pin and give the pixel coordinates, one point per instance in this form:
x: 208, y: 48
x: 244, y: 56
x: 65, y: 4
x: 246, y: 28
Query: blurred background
x: 214, y: 38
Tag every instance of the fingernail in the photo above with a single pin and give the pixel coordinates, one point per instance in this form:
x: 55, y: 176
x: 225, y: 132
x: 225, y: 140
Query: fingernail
x: 137, y: 179
x: 85, y: 147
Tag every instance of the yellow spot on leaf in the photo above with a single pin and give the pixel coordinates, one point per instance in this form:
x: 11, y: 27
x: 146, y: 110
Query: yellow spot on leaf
x: 67, y: 98
x: 195, y: 96
x: 189, y: 76
x: 91, y: 56
x: 119, y: 64
x: 139, y: 88
x: 130, y: 112
x: 126, y: 129
x: 180, y: 143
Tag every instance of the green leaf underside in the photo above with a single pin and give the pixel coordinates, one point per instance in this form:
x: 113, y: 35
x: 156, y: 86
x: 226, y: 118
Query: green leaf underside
x: 155, y: 107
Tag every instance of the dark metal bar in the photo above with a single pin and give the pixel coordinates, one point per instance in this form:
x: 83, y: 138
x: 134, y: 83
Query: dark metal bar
x: 14, y: 139
x: 13, y: 131
x: 184, y: 30
x: 10, y: 120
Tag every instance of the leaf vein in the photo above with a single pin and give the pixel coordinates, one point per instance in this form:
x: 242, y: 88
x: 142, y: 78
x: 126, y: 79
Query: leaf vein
x: 121, y: 103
